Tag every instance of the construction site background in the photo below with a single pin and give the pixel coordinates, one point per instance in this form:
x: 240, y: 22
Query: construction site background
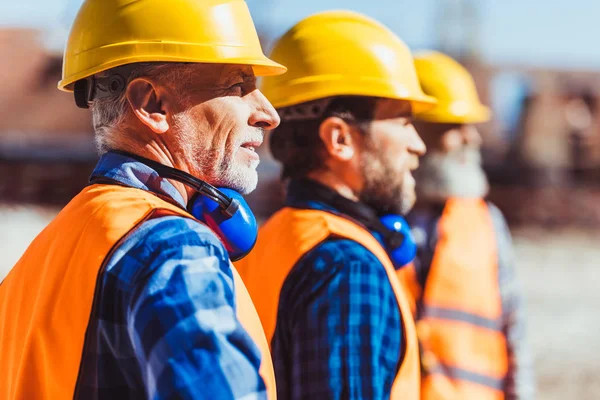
x: 542, y: 154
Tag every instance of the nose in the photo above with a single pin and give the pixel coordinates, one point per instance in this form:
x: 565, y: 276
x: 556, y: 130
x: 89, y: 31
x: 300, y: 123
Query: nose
x: 263, y: 115
x: 470, y: 135
x: 416, y: 144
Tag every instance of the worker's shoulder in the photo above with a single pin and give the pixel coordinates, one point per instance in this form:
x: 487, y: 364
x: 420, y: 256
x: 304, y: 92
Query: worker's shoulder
x: 493, y: 208
x: 157, y: 242
x: 336, y: 265
x: 178, y: 230
x: 336, y: 254
x: 497, y: 216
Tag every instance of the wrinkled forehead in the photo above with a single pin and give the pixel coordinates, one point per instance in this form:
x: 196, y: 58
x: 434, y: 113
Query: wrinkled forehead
x: 210, y: 74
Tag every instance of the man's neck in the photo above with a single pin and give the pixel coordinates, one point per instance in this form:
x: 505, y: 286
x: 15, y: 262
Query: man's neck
x: 326, y: 178
x: 157, y: 152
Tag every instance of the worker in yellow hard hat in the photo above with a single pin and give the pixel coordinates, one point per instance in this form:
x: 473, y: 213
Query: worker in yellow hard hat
x: 469, y: 314
x: 130, y: 292
x: 322, y: 273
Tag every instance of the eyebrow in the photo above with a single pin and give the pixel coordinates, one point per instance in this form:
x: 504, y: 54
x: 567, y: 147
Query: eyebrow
x: 234, y: 76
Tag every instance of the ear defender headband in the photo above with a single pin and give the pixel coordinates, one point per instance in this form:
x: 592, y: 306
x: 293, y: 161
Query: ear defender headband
x: 93, y: 88
x: 223, y: 210
x: 392, y: 231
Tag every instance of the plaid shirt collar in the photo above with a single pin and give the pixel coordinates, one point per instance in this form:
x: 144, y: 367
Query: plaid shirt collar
x: 129, y: 172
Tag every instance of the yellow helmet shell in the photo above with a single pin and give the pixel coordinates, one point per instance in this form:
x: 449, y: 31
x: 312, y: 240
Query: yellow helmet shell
x: 110, y: 33
x: 453, y: 87
x: 336, y: 53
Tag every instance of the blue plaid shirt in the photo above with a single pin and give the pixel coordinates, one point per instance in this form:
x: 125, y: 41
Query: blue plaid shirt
x: 163, y: 324
x: 338, y: 332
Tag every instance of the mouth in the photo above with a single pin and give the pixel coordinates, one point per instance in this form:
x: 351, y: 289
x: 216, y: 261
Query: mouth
x: 413, y: 165
x: 252, y: 145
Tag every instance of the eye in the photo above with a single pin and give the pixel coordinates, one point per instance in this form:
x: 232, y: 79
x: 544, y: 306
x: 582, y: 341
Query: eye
x: 242, y: 87
x: 407, y: 120
x: 236, y: 86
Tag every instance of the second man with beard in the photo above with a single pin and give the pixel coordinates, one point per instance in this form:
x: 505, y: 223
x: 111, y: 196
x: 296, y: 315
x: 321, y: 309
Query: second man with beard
x: 469, y: 314
x: 324, y: 286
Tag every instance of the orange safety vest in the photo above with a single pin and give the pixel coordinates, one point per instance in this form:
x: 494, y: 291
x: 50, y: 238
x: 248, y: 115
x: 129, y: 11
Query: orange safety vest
x: 463, y: 349
x: 46, y: 300
x: 284, y: 239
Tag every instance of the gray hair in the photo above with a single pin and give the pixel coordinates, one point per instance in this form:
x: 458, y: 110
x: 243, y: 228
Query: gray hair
x: 108, y: 114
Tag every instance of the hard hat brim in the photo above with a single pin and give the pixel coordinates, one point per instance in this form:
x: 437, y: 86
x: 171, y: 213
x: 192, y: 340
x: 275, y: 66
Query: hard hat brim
x: 261, y: 66
x: 445, y: 115
x: 306, y: 90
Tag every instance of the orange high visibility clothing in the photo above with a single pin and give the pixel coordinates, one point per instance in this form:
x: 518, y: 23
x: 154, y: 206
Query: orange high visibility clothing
x: 459, y: 319
x: 284, y: 239
x: 46, y: 300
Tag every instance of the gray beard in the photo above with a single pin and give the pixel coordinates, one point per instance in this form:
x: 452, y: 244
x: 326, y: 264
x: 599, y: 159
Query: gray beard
x: 441, y: 176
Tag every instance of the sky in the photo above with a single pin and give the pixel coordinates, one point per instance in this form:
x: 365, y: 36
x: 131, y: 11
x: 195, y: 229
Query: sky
x: 530, y: 32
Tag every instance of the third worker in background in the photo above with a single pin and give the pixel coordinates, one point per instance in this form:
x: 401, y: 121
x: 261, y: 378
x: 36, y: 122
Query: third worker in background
x: 321, y: 275
x: 470, y: 320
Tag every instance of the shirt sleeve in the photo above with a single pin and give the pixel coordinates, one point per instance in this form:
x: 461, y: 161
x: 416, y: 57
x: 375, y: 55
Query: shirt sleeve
x: 520, y: 380
x: 181, y: 318
x: 338, y: 333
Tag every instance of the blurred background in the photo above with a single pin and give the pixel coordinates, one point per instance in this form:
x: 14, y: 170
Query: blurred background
x: 536, y: 64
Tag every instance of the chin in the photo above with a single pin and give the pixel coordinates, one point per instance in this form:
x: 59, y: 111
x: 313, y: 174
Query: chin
x: 407, y: 203
x: 242, y: 180
x: 248, y: 187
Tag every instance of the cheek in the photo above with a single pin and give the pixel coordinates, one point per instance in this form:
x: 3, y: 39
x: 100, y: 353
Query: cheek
x: 394, y: 144
x: 220, y: 121
x: 235, y: 121
x: 451, y: 141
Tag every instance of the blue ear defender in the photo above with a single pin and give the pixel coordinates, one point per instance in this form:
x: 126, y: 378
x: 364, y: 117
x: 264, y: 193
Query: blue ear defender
x: 235, y: 223
x: 392, y: 231
x: 401, y: 247
x: 225, y: 211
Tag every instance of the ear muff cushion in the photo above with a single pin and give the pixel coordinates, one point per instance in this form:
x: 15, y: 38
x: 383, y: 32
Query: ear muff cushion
x: 238, y: 233
x: 80, y: 92
x: 407, y: 250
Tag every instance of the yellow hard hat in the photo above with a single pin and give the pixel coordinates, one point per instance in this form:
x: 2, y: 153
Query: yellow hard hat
x: 111, y: 33
x: 454, y: 88
x: 336, y: 53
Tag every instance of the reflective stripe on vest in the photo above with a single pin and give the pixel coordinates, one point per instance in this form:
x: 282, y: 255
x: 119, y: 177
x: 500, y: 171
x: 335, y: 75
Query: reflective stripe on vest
x: 464, y: 351
x: 283, y: 240
x: 47, y: 298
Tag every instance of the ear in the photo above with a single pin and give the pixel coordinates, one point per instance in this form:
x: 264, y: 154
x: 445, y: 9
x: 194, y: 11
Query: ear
x: 148, y: 105
x: 337, y: 138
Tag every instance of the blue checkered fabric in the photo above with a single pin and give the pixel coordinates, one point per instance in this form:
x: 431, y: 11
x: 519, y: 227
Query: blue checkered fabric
x: 339, y: 331
x: 163, y: 325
